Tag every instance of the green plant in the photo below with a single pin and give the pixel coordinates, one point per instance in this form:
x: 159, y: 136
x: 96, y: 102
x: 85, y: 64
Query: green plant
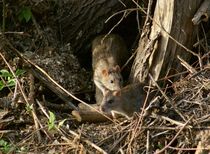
x: 29, y: 108
x: 4, y: 146
x: 7, y: 79
x: 25, y: 13
x: 51, y: 122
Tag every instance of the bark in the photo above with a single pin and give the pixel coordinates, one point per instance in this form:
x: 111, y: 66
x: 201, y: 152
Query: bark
x: 161, y: 43
x: 86, y: 18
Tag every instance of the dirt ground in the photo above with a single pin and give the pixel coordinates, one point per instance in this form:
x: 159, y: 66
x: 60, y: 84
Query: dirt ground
x: 36, y: 119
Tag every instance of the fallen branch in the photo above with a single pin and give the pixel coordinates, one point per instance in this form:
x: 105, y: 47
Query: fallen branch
x: 202, y: 13
x: 89, y: 116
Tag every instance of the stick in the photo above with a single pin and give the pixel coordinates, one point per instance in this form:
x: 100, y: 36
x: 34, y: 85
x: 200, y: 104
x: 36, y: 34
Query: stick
x: 88, y: 142
x: 89, y: 116
x: 203, y: 13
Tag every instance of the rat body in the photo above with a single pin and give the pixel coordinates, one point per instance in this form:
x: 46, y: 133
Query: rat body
x: 125, y: 101
x: 109, y: 53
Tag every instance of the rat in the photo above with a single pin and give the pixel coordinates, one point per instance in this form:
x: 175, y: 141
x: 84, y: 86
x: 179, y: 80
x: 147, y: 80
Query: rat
x: 109, y: 53
x: 125, y: 101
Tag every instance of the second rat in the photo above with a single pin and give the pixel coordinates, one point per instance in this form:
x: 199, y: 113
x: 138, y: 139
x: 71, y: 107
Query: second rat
x: 125, y: 101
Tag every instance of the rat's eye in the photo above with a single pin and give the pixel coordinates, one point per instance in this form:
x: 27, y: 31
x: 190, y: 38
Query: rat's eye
x: 111, y: 81
x: 110, y: 101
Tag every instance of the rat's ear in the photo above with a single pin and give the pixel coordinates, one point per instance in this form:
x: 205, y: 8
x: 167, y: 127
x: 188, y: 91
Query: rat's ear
x: 117, y: 68
x: 117, y: 93
x: 104, y: 72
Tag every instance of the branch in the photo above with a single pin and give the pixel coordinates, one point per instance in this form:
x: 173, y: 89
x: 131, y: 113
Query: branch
x: 203, y: 13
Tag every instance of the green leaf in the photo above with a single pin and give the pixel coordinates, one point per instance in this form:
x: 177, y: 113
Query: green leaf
x: 4, y: 146
x: 25, y: 13
x: 11, y: 82
x: 3, y: 143
x: 1, y: 85
x: 51, y: 122
x: 5, y: 73
x: 19, y: 72
x: 29, y: 107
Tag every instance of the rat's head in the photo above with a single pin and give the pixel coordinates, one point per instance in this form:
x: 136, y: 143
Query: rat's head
x: 112, y: 78
x: 111, y: 101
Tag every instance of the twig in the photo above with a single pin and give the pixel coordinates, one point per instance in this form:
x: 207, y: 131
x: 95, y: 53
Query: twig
x: 19, y: 33
x: 121, y: 151
x: 160, y: 134
x: 122, y: 3
x: 148, y: 13
x: 175, y: 128
x: 88, y: 142
x: 172, y: 121
x: 130, y: 58
x: 188, y: 149
x: 41, y: 107
x: 125, y: 12
x: 119, y: 12
x: 148, y: 143
x: 115, y: 133
x: 163, y: 149
x: 186, y: 65
x: 15, y: 94
x: 32, y: 103
x: 140, y: 119
x: 167, y: 99
x: 137, y: 20
x: 7, y: 131
x: 118, y: 141
x: 121, y: 19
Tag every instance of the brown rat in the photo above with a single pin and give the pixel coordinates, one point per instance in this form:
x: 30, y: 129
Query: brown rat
x: 108, y: 54
x: 125, y: 101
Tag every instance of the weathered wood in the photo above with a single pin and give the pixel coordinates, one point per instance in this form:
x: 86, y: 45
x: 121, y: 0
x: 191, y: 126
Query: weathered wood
x: 89, y: 113
x: 87, y: 18
x: 89, y: 116
x: 172, y: 21
x: 203, y: 13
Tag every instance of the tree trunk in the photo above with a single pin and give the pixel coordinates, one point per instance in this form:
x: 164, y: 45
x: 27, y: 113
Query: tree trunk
x: 160, y: 45
x: 86, y: 18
